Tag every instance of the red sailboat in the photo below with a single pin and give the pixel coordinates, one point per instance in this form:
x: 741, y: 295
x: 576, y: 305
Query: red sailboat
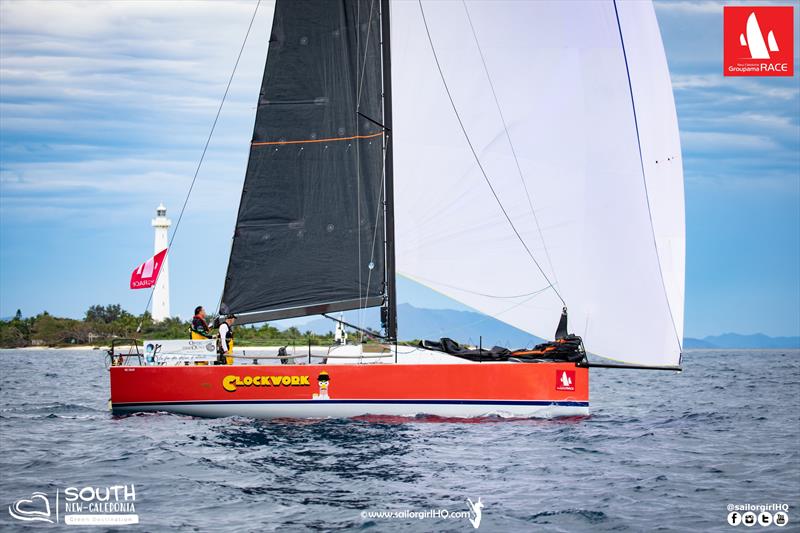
x: 521, y: 158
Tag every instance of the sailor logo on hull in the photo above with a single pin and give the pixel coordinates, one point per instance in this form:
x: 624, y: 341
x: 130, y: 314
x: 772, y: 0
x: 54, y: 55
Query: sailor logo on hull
x: 230, y: 383
x: 324, y: 381
x: 565, y: 380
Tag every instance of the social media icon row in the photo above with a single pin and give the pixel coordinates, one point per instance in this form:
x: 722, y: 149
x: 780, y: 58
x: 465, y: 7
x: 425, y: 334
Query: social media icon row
x: 764, y: 518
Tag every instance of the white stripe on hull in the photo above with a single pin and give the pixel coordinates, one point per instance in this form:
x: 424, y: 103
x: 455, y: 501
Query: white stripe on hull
x: 329, y: 409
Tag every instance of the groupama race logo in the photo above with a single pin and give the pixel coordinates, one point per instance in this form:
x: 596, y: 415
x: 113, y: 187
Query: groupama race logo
x: 759, y: 41
x: 565, y: 380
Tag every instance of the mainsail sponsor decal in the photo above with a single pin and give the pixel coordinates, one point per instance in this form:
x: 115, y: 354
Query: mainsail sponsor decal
x: 231, y: 383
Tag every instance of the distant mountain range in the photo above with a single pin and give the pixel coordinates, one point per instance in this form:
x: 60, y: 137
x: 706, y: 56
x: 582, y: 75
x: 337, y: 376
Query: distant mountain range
x: 468, y: 326
x: 737, y: 341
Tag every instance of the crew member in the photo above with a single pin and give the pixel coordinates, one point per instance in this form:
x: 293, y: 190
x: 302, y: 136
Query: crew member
x: 199, y: 329
x: 226, y: 340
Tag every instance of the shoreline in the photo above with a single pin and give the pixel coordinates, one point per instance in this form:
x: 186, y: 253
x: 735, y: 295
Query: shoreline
x: 240, y: 349
x: 237, y: 349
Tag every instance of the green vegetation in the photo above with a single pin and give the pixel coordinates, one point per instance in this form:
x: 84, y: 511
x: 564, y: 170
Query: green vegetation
x: 104, y: 323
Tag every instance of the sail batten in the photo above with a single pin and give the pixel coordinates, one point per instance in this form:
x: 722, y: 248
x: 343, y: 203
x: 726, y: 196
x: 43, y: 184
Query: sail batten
x: 315, y: 309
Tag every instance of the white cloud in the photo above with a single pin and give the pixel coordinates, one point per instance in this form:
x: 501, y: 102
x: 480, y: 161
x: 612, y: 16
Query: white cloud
x: 773, y: 182
x: 750, y: 87
x: 109, y: 104
x: 689, y: 8
x: 703, y: 7
x: 695, y: 81
x: 88, y: 18
x: 770, y: 120
x: 724, y: 142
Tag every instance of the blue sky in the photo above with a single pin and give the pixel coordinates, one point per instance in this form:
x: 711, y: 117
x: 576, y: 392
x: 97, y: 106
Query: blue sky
x: 104, y: 109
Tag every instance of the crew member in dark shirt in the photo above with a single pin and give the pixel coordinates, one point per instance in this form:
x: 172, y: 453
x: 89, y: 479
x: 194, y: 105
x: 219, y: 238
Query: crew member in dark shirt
x: 200, y: 328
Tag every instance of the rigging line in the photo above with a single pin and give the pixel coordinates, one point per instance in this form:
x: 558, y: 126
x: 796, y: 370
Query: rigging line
x: 383, y: 175
x: 495, y: 315
x: 510, y: 143
x: 375, y: 231
x: 478, y: 161
x: 366, y: 49
x: 219, y: 302
x: 511, y: 297
x: 381, y: 126
x: 358, y: 180
x: 644, y: 181
x: 203, y: 155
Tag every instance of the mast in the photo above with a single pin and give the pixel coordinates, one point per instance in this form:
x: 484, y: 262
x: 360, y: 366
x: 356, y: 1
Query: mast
x: 389, y: 312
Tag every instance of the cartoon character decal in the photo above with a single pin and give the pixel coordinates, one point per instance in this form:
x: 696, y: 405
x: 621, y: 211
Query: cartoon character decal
x: 324, y: 383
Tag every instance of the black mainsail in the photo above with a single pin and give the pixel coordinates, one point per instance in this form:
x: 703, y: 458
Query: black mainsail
x: 311, y: 231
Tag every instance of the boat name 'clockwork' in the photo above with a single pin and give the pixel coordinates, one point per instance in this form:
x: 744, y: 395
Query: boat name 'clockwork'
x: 230, y: 383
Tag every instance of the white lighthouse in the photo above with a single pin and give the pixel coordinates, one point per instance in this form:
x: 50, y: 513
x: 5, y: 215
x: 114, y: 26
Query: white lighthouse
x: 161, y: 292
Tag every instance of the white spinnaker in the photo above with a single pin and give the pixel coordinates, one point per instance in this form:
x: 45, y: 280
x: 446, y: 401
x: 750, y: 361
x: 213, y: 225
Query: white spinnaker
x: 661, y: 146
x: 561, y: 79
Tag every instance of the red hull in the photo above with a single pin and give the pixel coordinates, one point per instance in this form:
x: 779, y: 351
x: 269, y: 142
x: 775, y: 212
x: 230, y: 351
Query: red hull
x: 519, y: 389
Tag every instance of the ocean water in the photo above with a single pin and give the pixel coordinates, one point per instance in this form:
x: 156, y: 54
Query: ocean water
x: 660, y: 452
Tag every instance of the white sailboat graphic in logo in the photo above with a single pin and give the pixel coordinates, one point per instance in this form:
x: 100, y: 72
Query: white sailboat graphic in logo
x: 565, y: 381
x: 755, y: 40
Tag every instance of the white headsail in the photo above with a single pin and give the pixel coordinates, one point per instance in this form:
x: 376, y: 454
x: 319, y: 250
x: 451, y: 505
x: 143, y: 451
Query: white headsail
x: 594, y: 194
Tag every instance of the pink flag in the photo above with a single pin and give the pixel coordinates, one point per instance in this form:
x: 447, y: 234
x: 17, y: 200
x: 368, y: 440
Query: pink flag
x: 145, y: 274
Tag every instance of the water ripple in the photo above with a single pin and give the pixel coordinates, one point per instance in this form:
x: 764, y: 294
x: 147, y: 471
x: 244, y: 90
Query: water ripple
x: 660, y: 452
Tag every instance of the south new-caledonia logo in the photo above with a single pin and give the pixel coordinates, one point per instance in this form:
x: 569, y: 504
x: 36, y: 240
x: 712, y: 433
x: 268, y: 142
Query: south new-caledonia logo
x: 79, y: 506
x: 758, y: 40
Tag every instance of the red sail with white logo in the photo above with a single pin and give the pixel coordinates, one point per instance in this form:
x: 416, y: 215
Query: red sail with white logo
x: 146, y: 274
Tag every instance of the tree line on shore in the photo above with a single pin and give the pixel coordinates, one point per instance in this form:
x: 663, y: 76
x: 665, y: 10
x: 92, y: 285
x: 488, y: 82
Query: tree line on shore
x: 101, y: 324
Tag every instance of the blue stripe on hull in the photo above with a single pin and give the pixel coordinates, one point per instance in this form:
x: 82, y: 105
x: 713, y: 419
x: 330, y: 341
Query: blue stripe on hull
x: 399, y: 402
